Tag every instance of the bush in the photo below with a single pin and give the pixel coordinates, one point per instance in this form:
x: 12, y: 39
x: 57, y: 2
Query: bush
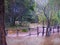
x: 24, y: 30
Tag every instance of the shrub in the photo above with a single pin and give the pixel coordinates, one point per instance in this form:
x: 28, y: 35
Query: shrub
x: 24, y: 30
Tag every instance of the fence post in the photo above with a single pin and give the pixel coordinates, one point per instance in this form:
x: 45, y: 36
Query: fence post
x: 37, y: 31
x: 43, y: 31
x: 53, y: 29
x: 17, y: 32
x: 58, y: 28
x: 29, y: 32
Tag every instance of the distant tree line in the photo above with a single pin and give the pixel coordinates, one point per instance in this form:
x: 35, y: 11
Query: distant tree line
x: 19, y: 10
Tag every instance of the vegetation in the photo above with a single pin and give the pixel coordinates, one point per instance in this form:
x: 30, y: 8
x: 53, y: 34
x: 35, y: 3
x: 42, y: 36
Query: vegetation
x: 24, y: 30
x: 32, y: 11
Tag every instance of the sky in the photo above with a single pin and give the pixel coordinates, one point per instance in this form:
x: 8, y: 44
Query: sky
x: 42, y: 2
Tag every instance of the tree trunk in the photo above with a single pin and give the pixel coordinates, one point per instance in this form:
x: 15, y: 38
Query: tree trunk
x: 48, y: 28
x: 43, y: 28
x: 12, y: 21
x: 58, y: 28
x: 2, y: 27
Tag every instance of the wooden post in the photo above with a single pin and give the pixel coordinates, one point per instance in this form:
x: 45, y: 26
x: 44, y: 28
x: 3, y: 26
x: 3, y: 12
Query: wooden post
x: 43, y: 29
x: 37, y: 31
x: 2, y: 27
x: 29, y: 32
x: 48, y: 28
x: 58, y: 28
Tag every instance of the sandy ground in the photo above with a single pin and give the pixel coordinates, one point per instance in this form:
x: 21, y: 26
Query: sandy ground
x: 54, y: 39
x: 25, y: 39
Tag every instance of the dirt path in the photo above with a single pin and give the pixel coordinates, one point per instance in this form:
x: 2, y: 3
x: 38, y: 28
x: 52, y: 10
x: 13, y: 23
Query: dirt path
x: 34, y: 40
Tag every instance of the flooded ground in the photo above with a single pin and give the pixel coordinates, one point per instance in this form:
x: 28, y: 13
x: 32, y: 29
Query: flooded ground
x: 23, y: 38
x: 54, y: 39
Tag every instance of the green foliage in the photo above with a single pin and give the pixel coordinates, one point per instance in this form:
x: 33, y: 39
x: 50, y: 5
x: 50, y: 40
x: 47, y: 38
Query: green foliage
x: 57, y: 2
x: 54, y: 18
x: 58, y: 15
x: 32, y: 7
x: 41, y: 17
x: 24, y: 30
x: 29, y: 5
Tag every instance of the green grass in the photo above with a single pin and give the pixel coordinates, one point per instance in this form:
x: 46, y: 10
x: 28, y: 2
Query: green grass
x: 24, y: 30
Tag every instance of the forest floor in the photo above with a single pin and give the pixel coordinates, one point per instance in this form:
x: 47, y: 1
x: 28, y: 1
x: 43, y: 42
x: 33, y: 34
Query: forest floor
x: 23, y: 38
x: 54, y: 39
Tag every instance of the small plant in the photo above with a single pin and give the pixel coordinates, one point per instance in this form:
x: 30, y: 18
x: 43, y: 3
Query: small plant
x: 12, y: 26
x: 24, y: 30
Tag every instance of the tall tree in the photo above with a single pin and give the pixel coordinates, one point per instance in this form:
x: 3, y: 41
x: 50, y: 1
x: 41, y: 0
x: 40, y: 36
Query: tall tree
x: 2, y: 27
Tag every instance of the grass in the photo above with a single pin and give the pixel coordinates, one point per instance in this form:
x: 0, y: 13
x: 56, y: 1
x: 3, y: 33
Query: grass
x: 24, y: 30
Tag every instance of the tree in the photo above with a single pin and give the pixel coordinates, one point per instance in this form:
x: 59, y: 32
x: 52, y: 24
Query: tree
x: 29, y: 12
x: 2, y: 27
x: 19, y: 10
x: 44, y: 7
